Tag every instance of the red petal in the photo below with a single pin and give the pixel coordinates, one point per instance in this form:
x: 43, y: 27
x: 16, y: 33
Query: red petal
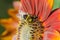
x: 56, y: 26
x: 54, y: 18
x: 28, y: 6
x: 37, y: 6
x: 45, y: 9
x: 41, y: 8
x: 51, y: 34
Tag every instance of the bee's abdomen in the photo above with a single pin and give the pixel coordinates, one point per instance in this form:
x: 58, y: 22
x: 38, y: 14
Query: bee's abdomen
x: 31, y: 31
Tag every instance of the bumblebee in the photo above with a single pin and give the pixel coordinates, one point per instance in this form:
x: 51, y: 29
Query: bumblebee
x: 30, y: 27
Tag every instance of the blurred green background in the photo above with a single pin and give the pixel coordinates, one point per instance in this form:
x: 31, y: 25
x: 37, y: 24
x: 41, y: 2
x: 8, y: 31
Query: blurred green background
x: 6, y: 4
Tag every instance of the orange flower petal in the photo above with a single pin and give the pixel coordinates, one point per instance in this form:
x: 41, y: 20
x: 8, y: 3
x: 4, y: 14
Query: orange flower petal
x: 9, y: 24
x: 13, y: 13
x: 8, y: 37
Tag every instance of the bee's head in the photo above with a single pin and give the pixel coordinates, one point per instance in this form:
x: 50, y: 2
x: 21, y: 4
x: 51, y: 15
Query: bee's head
x: 30, y: 18
x: 25, y: 16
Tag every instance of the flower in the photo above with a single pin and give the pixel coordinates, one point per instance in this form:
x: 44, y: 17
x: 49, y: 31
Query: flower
x: 10, y: 24
x: 43, y: 10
